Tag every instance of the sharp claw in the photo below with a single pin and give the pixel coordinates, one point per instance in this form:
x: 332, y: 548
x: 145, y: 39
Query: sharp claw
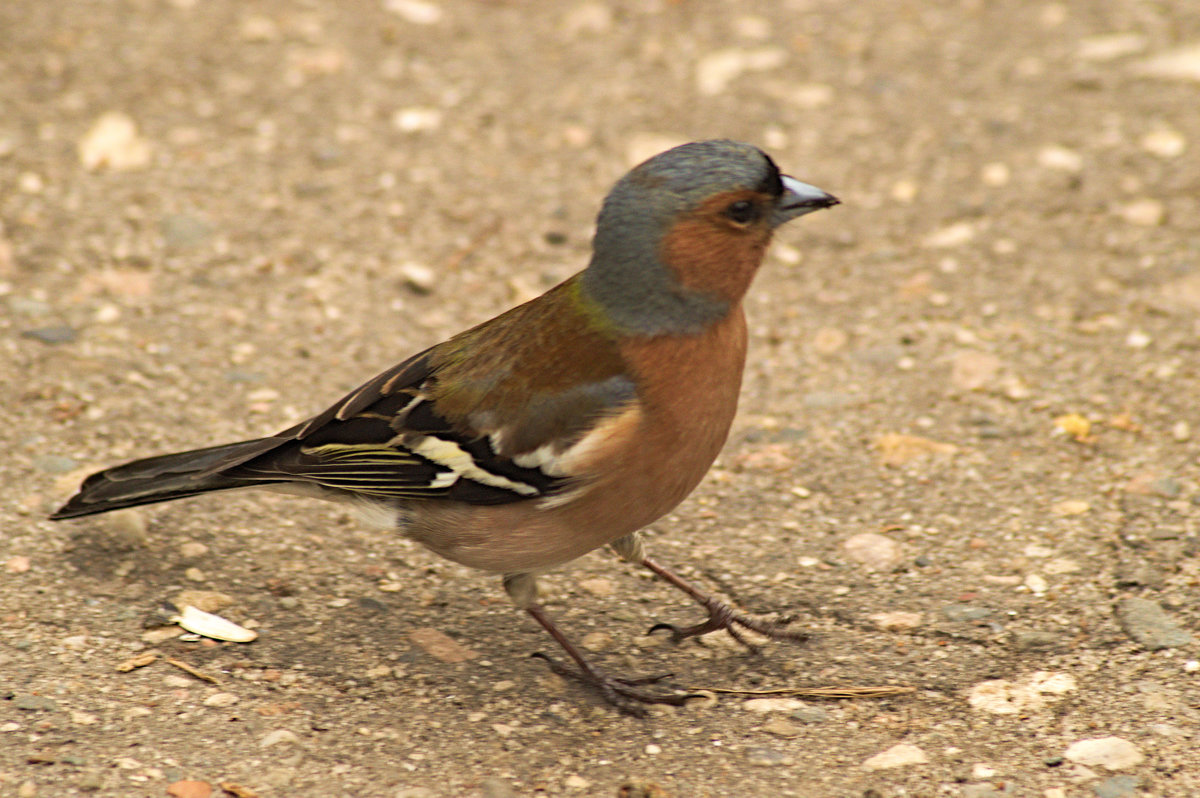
x: 722, y: 616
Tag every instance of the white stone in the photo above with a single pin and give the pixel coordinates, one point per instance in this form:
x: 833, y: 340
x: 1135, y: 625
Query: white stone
x: 415, y: 120
x: 1164, y: 143
x: 594, y: 18
x: 277, y: 737
x: 113, y: 142
x: 1110, y: 46
x: 417, y: 12
x: 576, y: 782
x: 1179, y: 64
x: 897, y: 756
x: 1111, y: 753
x: 897, y: 621
x: 1004, y: 697
x: 221, y: 700
x: 874, y: 551
x: 1036, y: 584
x: 995, y: 174
x: 772, y: 704
x: 811, y: 95
x: 1138, y: 339
x: 1060, y: 159
x: 1144, y: 212
x: 717, y: 70
x: 954, y: 235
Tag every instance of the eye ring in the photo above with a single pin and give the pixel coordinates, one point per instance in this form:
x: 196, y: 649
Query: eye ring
x: 742, y: 211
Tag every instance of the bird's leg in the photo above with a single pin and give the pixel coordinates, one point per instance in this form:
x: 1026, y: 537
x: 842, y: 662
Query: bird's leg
x: 627, y: 695
x: 720, y: 614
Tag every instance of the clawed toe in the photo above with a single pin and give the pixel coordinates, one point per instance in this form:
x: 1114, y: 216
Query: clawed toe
x: 723, y: 616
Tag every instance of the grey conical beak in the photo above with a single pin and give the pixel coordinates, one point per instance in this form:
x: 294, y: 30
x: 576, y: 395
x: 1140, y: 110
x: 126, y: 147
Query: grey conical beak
x: 800, y: 198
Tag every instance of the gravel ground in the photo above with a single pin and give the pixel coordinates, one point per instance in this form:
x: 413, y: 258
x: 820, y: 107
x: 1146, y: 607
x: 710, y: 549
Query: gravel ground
x: 967, y: 457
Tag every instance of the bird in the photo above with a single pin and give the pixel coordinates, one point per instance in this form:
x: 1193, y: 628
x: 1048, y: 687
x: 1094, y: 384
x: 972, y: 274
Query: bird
x: 563, y: 425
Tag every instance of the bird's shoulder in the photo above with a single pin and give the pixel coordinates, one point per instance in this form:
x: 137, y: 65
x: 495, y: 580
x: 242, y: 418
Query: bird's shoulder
x: 498, y: 413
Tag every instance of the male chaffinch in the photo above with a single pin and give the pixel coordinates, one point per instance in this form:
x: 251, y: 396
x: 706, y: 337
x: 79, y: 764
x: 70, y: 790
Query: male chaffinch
x: 567, y: 423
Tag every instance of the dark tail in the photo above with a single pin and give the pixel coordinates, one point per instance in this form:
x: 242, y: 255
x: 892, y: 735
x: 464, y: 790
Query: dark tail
x: 166, y: 477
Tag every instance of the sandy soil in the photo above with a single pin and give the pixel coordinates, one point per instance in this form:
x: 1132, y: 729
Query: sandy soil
x: 967, y: 456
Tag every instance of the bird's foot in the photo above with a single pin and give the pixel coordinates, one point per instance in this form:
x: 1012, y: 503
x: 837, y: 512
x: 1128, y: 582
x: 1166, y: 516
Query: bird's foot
x: 733, y: 621
x: 627, y: 695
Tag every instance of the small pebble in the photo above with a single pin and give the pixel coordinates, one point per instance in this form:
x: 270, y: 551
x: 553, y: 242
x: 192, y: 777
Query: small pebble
x: 772, y: 704
x: 965, y: 612
x: 1164, y: 143
x: 972, y: 370
x: 492, y: 787
x: 221, y: 700
x: 715, y: 71
x: 192, y: 549
x: 596, y: 641
x: 441, y: 646
x: 767, y: 757
x: 897, y: 621
x: 1182, y: 63
x: 1117, y: 787
x: 904, y: 191
x: 901, y: 755
x: 995, y: 174
x: 576, y: 782
x: 1037, y: 640
x: 58, y: 334
x: 1111, y: 753
x: 1150, y: 626
x: 811, y: 95
x: 183, y: 231
x: 277, y: 737
x: 1110, y: 46
x: 419, y: 278
x: 1036, y: 584
x: 34, y: 703
x: 1004, y: 697
x: 18, y: 564
x: 809, y: 714
x: 873, y: 551
x: 1060, y: 159
x: 783, y: 728
x: 598, y: 586
x: 1181, y: 431
x: 113, y: 142
x: 54, y: 464
x: 418, y: 12
x: 954, y: 235
x: 206, y: 600
x: 189, y: 789
x: 1145, y: 212
x: 417, y: 120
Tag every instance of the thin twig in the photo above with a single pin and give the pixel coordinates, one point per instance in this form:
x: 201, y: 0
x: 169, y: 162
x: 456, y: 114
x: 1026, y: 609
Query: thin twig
x: 882, y: 691
x: 183, y: 666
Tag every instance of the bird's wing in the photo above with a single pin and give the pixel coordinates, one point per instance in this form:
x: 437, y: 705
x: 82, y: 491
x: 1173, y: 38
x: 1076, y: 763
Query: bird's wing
x: 488, y: 417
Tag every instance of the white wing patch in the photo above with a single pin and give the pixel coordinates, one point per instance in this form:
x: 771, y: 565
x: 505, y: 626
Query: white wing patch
x: 449, y: 454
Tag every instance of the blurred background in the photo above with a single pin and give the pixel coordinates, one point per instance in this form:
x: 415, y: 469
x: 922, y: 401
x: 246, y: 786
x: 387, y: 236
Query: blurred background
x: 217, y: 216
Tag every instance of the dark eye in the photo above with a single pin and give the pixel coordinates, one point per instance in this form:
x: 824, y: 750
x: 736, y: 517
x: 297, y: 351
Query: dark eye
x: 742, y: 212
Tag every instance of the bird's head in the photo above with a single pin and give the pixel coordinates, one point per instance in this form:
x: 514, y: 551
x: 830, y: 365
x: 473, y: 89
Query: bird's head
x: 680, y: 237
